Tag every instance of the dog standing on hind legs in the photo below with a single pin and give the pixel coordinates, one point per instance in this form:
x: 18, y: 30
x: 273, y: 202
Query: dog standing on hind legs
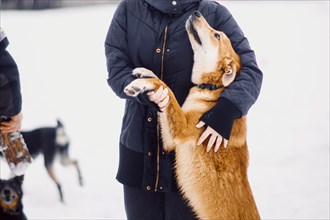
x: 51, y: 142
x: 214, y: 183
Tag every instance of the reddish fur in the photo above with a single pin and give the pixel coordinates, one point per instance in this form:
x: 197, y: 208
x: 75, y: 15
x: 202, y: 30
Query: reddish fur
x: 219, y: 180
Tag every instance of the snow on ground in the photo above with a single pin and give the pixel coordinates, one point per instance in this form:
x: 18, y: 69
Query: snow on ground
x: 61, y: 60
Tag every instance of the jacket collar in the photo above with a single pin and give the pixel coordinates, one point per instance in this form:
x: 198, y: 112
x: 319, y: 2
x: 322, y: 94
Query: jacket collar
x: 171, y: 6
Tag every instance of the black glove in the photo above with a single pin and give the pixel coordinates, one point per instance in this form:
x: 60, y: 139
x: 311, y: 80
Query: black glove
x: 221, y: 117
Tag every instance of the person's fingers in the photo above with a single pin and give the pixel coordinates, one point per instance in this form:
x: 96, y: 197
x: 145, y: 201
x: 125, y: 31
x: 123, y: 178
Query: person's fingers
x: 217, y: 144
x: 151, y: 93
x: 202, y: 138
x: 18, y: 125
x: 164, y: 102
x: 211, y: 142
x: 17, y: 117
x: 225, y: 143
x: 6, y: 124
x: 6, y: 129
x: 13, y: 124
x: 162, y: 96
x: 158, y: 93
x: 200, y: 124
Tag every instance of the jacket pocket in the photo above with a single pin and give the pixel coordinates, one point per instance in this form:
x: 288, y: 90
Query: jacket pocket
x: 133, y: 127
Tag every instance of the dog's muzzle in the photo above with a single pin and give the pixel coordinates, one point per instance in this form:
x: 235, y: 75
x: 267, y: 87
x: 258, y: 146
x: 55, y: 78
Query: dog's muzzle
x: 7, y: 195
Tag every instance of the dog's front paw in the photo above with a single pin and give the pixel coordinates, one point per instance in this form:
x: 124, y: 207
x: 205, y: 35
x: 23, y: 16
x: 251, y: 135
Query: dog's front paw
x: 141, y: 72
x: 133, y: 90
x: 138, y: 86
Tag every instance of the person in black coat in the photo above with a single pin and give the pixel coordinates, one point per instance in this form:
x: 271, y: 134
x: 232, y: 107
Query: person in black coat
x: 12, y: 145
x: 10, y: 90
x: 151, y: 34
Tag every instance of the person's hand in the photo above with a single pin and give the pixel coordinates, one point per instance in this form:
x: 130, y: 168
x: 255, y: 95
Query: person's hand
x: 160, y: 97
x: 14, y: 124
x: 215, y: 139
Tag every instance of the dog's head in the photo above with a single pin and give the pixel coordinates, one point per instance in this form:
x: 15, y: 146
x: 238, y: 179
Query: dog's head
x: 215, y: 61
x: 11, y: 194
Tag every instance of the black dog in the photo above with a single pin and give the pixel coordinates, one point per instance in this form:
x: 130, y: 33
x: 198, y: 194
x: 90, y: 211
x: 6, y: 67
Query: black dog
x: 51, y: 142
x: 11, y: 207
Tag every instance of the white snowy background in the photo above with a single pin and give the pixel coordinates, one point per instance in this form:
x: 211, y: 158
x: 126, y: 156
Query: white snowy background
x: 61, y: 59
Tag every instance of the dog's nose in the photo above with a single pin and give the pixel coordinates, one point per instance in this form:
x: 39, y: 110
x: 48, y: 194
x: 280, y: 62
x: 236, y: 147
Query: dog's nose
x: 197, y: 14
x: 6, y: 192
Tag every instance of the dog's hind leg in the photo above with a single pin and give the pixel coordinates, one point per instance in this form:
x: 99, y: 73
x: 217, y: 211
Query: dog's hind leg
x: 51, y: 173
x: 66, y: 161
x: 81, y: 181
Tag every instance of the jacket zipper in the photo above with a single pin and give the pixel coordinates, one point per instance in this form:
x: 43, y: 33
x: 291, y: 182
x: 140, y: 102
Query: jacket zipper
x: 158, y: 129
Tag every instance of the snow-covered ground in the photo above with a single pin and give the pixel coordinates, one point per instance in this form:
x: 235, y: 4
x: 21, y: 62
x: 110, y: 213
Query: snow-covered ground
x: 63, y: 74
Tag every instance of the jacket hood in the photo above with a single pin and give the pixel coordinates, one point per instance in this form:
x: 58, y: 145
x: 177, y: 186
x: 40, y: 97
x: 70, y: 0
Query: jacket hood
x: 172, y: 6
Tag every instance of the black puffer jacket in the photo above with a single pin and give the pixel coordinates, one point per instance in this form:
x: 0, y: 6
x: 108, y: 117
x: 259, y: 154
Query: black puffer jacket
x: 10, y: 93
x: 151, y: 34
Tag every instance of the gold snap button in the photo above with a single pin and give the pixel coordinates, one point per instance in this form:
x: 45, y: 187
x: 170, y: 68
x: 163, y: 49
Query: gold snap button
x: 168, y: 50
x: 149, y: 154
x: 148, y: 188
x: 158, y: 50
x: 149, y: 119
x: 161, y: 188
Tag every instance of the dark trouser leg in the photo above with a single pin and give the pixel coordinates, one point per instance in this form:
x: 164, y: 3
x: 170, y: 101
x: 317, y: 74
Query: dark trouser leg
x: 142, y: 205
x: 176, y: 208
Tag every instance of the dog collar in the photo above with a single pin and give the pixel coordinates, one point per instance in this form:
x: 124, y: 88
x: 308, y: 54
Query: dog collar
x: 209, y: 86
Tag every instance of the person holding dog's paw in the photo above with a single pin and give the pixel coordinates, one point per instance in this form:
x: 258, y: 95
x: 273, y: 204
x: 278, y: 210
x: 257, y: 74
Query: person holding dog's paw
x: 151, y: 34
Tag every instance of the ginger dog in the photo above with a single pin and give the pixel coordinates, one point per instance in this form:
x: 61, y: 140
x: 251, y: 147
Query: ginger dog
x: 214, y: 183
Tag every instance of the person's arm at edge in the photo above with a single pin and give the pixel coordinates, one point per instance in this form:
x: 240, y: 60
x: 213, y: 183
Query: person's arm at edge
x: 10, y: 87
x: 119, y: 65
x: 240, y: 95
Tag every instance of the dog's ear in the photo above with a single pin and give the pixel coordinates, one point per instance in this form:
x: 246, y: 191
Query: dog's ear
x: 19, y: 179
x: 230, y: 68
x: 59, y: 123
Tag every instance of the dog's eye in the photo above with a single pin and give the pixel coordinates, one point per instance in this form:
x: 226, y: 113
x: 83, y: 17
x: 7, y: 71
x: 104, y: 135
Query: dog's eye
x: 217, y: 36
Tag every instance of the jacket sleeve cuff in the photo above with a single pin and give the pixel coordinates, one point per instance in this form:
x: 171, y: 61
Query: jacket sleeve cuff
x: 221, y: 117
x: 143, y: 99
